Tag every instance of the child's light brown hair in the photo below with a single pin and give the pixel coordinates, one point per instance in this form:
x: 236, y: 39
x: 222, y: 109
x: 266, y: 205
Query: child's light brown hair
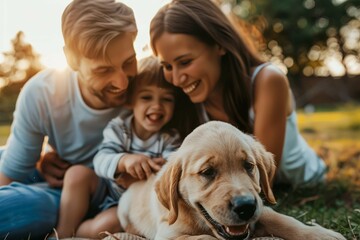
x: 150, y: 73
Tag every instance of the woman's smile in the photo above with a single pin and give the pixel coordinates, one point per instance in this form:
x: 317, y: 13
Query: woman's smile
x: 190, y: 88
x: 190, y: 64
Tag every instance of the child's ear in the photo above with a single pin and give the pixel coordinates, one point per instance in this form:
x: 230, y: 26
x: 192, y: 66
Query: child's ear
x: 71, y: 59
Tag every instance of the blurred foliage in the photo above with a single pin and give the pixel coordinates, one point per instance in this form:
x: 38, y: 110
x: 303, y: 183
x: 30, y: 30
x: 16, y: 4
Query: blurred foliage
x: 306, y: 37
x: 335, y: 135
x: 18, y: 66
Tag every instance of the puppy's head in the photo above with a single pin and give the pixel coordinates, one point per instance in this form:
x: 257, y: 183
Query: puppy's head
x: 218, y: 172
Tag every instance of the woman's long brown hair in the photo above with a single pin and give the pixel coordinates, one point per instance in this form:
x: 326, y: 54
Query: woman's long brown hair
x: 205, y: 21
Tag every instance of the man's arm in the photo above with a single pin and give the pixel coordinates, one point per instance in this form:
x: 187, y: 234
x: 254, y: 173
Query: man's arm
x: 27, y: 135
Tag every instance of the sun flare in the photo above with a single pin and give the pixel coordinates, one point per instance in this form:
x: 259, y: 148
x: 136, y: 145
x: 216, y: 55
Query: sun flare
x: 40, y: 20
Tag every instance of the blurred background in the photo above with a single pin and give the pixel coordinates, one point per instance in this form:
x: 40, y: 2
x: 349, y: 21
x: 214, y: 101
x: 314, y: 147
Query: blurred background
x: 317, y: 43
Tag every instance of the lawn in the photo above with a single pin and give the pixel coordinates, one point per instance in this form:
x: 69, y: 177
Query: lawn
x: 335, y: 134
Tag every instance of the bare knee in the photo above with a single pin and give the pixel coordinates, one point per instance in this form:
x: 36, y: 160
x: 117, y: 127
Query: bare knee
x: 80, y: 176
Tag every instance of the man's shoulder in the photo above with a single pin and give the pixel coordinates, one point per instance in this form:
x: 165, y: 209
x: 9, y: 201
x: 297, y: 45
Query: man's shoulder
x: 50, y: 78
x: 49, y: 84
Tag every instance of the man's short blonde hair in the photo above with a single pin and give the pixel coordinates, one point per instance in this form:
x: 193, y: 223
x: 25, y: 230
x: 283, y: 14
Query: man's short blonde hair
x: 88, y: 26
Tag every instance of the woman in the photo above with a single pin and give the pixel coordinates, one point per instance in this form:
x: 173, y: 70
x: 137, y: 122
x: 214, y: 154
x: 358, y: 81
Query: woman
x: 203, y: 54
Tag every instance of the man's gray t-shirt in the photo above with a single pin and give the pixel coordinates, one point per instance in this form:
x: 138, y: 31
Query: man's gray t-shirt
x: 50, y: 104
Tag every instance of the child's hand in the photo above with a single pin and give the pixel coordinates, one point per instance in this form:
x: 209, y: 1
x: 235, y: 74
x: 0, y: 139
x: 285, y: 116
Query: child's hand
x: 159, y: 163
x: 125, y: 180
x: 138, y: 166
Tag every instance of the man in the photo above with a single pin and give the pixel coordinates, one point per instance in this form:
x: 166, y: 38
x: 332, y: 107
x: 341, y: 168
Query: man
x: 70, y: 108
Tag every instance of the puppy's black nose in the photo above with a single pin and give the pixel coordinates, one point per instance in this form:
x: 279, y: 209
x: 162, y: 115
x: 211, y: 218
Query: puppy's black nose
x: 244, y: 206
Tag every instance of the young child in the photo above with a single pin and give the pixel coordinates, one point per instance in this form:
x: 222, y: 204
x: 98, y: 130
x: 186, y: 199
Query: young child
x: 135, y: 145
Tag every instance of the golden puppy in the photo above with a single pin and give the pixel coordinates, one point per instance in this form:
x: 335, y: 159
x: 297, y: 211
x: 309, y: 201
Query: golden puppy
x: 209, y: 189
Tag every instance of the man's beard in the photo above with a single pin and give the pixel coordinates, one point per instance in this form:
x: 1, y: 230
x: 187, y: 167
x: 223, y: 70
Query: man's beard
x: 110, y: 101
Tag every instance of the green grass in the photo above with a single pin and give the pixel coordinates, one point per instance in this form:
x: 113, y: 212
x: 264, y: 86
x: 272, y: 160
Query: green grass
x: 335, y: 205
x: 335, y: 135
x: 4, y: 133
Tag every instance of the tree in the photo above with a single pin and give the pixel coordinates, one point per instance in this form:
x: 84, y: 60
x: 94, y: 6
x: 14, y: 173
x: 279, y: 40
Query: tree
x: 19, y: 65
x: 308, y: 37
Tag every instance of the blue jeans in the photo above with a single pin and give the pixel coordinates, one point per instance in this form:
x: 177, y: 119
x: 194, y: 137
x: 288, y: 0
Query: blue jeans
x: 28, y: 210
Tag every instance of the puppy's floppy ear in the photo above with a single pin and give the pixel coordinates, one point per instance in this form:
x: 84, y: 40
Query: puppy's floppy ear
x: 266, y: 166
x: 167, y: 187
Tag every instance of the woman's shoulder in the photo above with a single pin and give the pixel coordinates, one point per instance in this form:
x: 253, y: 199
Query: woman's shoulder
x: 270, y: 76
x: 271, y: 90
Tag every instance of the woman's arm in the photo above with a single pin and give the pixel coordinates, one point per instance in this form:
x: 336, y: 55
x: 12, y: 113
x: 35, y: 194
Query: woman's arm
x: 272, y: 104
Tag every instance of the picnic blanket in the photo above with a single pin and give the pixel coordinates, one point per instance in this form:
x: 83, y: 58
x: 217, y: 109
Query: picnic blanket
x: 127, y: 236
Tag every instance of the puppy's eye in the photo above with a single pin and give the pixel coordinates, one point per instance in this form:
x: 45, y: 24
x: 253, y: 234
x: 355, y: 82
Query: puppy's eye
x: 249, y: 166
x: 208, y: 173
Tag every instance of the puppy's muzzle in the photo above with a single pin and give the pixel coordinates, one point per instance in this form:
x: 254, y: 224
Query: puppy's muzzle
x: 244, y: 206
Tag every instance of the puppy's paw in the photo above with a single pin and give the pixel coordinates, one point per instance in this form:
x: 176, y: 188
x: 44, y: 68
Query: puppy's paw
x: 317, y: 232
